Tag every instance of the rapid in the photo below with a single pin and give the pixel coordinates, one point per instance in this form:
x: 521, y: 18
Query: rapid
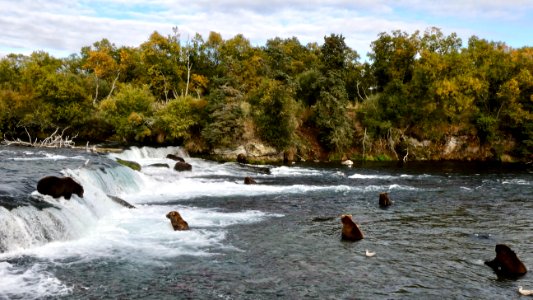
x: 279, y: 238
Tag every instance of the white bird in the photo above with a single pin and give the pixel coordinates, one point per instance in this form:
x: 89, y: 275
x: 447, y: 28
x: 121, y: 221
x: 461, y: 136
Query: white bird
x: 369, y: 254
x: 525, y: 292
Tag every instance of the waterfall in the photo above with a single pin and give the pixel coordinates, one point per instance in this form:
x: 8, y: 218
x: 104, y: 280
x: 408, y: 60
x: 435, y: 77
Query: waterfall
x: 136, y: 153
x: 28, y: 226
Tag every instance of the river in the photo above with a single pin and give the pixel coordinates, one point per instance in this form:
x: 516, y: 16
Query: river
x: 279, y: 238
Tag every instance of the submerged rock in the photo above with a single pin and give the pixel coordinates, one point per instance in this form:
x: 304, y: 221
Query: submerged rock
x: 175, y: 157
x: 130, y: 164
x: 159, y: 165
x: 120, y: 201
x: 182, y: 166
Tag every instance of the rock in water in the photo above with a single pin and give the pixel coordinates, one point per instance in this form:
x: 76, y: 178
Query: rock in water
x: 59, y: 187
x: 175, y: 157
x: 121, y: 201
x: 159, y: 165
x: 130, y: 164
x: 182, y: 166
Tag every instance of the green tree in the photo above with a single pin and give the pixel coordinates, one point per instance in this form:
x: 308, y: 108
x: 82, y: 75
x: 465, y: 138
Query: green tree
x: 276, y: 113
x: 129, y: 112
x: 225, y: 123
x: 177, y: 117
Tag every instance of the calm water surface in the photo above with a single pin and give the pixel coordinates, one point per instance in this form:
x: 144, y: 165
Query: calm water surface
x: 277, y: 239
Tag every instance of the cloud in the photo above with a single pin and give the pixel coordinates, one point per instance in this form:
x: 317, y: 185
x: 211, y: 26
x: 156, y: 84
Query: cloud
x: 62, y: 27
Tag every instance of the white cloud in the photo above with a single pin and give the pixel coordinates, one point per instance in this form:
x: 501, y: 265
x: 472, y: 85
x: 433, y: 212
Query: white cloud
x: 62, y: 27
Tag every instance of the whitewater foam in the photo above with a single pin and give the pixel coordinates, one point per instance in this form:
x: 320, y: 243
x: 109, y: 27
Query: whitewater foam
x: 31, y: 283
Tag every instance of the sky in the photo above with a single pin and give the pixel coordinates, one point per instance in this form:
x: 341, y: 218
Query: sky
x: 63, y: 27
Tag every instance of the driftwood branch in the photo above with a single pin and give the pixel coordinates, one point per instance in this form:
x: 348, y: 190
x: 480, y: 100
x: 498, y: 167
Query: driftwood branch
x: 54, y: 140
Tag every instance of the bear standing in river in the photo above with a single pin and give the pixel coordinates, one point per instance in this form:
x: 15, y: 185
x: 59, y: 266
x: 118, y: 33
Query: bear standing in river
x: 59, y: 187
x: 350, y: 230
x: 506, y: 263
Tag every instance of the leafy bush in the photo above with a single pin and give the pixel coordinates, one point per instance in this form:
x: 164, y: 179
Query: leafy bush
x: 275, y: 114
x: 129, y: 112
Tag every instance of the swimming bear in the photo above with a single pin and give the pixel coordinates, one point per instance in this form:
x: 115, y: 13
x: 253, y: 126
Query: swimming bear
x: 177, y: 221
x: 506, y: 263
x: 59, y: 187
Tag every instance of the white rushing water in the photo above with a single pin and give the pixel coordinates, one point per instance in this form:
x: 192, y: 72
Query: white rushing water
x: 95, y: 226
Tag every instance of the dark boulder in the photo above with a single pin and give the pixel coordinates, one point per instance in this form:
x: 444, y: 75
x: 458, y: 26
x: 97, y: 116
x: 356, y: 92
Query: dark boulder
x: 506, y: 263
x: 175, y: 157
x: 59, y: 187
x: 182, y: 166
x: 121, y: 201
x: 159, y: 165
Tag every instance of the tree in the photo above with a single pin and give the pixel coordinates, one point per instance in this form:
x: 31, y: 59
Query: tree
x: 160, y: 57
x: 176, y: 118
x: 101, y: 60
x: 393, y: 57
x: 330, y: 114
x: 276, y: 113
x: 129, y: 112
x: 225, y: 123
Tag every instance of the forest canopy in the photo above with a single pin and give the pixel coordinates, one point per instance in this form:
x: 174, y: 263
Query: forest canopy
x: 210, y: 92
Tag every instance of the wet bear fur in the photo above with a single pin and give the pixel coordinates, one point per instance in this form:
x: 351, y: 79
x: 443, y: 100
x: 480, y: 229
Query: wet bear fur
x: 506, y: 263
x: 59, y: 187
x: 177, y: 221
x: 249, y: 180
x: 384, y: 200
x: 350, y: 230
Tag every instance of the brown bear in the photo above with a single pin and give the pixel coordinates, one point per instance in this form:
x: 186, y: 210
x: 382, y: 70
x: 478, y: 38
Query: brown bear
x: 177, y: 221
x: 59, y: 187
x: 249, y: 180
x: 506, y: 263
x: 241, y: 158
x: 384, y: 200
x: 350, y: 230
